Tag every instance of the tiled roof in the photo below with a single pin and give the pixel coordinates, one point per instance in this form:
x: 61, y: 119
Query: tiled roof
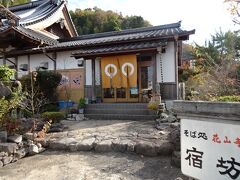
x: 36, y: 11
x: 37, y: 36
x: 41, y: 38
x: 110, y: 49
x: 131, y: 35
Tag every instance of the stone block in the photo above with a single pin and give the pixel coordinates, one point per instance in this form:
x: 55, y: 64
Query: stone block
x: 10, y: 148
x: 104, y: 146
x: 57, y: 145
x: 29, y: 136
x: 20, y: 153
x: 146, y: 148
x: 62, y: 144
x: 119, y: 146
x: 7, y: 159
x: 33, y: 149
x: 73, y: 147
x: 16, y: 138
x: 86, y: 144
x: 1, y: 164
x: 3, y: 136
x: 176, y: 159
x: 79, y: 117
x: 164, y: 148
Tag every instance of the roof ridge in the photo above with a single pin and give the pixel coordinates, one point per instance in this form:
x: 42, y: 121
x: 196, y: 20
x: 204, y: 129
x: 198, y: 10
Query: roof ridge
x: 28, y: 5
x: 123, y: 32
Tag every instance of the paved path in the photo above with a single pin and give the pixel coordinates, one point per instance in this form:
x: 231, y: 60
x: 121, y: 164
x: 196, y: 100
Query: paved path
x: 140, y: 137
x: 55, y: 165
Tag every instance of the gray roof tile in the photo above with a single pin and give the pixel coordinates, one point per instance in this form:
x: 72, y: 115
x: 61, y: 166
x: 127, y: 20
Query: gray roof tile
x: 130, y: 35
x: 117, y: 48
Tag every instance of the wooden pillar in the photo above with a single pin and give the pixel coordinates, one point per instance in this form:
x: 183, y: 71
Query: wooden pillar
x: 4, y: 57
x: 29, y: 69
x: 93, y: 80
x: 54, y: 59
x: 16, y: 67
x: 154, y: 75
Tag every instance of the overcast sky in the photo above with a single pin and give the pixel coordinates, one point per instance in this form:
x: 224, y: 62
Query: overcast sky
x: 206, y: 16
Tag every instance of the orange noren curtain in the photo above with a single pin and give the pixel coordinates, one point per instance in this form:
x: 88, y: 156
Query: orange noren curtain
x: 119, y: 71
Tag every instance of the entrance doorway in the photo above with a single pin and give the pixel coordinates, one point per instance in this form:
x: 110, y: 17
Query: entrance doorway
x: 145, y: 80
x: 116, y: 91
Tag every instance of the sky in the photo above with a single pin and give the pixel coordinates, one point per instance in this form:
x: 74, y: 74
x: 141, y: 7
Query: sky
x: 205, y: 16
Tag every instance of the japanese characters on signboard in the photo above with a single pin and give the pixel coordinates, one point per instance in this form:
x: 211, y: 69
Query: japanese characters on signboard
x: 210, y: 150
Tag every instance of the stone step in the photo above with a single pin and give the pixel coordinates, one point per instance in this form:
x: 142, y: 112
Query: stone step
x: 113, y: 145
x: 117, y: 106
x: 120, y: 117
x: 120, y: 111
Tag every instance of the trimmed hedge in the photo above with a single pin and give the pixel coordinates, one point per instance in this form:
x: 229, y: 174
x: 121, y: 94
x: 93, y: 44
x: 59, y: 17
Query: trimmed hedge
x: 54, y: 116
x: 229, y: 98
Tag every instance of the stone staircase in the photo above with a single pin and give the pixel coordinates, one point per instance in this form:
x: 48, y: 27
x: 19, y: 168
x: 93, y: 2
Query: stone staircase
x: 119, y: 111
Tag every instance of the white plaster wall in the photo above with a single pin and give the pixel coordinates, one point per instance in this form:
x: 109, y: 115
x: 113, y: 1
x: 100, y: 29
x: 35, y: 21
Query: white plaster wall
x: 88, y: 71
x: 37, y: 59
x: 22, y: 60
x: 65, y: 61
x: 168, y: 64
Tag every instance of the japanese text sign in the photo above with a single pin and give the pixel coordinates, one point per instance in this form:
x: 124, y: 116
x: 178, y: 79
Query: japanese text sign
x: 210, y: 149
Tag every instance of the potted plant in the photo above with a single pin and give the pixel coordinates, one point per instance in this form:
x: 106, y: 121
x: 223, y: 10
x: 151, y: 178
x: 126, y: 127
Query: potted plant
x: 81, y: 105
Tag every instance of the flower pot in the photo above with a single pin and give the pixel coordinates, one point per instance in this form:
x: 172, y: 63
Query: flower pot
x: 81, y: 111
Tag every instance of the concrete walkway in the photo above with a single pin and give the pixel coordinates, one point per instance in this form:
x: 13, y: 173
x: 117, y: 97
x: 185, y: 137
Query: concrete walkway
x: 57, y: 165
x: 140, y: 137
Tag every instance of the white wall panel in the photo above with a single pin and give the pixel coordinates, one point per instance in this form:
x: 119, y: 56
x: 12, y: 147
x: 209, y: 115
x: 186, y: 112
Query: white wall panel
x: 168, y: 64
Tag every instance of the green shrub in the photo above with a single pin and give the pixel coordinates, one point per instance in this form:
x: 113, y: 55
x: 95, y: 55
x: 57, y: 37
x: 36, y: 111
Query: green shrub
x: 6, y: 73
x: 50, y: 108
x: 54, y: 116
x: 81, y: 103
x: 152, y: 105
x: 228, y: 98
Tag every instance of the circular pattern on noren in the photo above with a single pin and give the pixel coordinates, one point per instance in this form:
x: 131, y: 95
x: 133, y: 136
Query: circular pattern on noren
x: 129, y: 65
x: 112, y: 74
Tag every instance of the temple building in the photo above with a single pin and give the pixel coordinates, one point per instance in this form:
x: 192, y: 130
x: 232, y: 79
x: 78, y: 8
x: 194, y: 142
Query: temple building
x: 121, y: 66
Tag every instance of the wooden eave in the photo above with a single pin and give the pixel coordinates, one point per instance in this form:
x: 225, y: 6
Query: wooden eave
x: 69, y: 23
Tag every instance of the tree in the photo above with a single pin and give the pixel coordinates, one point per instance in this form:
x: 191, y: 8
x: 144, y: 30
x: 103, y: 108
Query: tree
x: 234, y: 10
x: 8, y: 3
x: 96, y: 20
x: 218, y: 66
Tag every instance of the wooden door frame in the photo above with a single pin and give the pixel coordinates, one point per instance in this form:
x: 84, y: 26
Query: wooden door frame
x: 142, y: 64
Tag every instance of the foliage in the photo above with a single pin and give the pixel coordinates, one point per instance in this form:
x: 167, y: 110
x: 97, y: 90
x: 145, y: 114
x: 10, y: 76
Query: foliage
x: 48, y: 82
x: 96, y: 20
x: 234, y: 10
x: 7, y: 3
x: 11, y: 102
x: 6, y: 73
x: 153, y: 105
x: 228, y: 98
x: 216, y: 68
x: 12, y: 126
x: 40, y: 89
x: 47, y: 126
x: 50, y: 107
x: 54, y: 116
x: 81, y: 103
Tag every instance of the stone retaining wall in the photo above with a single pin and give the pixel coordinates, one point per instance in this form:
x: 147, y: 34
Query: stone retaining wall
x: 217, y: 110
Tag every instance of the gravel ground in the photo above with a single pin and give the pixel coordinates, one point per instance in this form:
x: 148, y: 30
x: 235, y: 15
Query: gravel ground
x: 55, y: 165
